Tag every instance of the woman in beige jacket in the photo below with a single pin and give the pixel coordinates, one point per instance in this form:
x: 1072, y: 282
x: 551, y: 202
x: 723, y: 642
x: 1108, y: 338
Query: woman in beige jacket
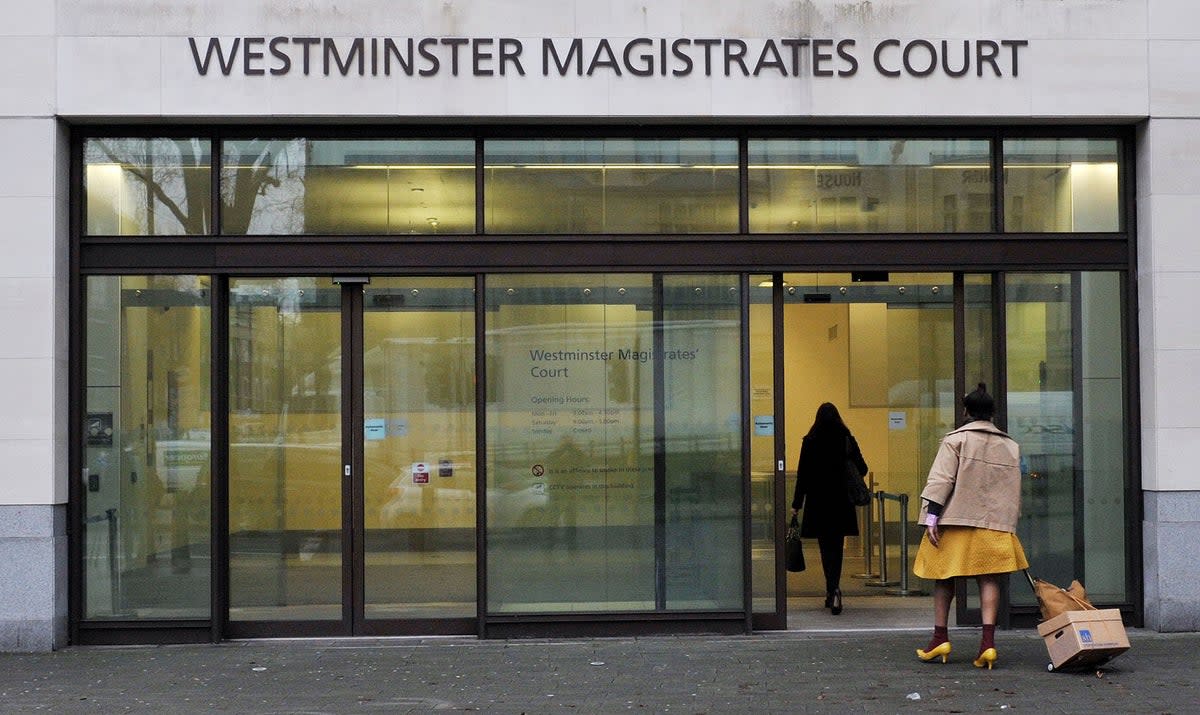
x: 970, y: 507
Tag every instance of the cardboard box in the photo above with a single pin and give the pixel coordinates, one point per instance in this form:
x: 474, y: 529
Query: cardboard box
x: 1083, y: 638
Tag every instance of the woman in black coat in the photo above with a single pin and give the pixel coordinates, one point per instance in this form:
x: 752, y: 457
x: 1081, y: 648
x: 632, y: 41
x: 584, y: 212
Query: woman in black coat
x: 821, y: 485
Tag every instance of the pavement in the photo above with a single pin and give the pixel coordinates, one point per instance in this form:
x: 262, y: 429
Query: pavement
x: 768, y: 672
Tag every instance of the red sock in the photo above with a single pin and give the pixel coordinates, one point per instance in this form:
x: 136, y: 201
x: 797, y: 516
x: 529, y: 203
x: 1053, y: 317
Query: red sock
x: 940, y: 636
x: 988, y: 640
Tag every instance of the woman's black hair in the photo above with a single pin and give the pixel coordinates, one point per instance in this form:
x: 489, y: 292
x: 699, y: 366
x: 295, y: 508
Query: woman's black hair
x: 828, y: 420
x: 979, y: 404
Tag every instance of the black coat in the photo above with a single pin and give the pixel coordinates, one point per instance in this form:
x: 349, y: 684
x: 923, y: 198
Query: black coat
x: 821, y: 484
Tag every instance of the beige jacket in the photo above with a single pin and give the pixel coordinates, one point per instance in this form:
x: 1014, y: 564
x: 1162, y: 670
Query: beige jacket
x: 976, y: 477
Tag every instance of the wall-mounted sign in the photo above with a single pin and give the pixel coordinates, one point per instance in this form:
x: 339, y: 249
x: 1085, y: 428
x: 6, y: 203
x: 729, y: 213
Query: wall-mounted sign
x: 897, y: 420
x: 669, y: 57
x: 100, y: 429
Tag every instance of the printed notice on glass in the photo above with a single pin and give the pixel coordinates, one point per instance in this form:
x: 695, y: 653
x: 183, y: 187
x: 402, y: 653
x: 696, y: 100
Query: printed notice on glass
x: 374, y: 428
x: 897, y: 420
x: 764, y: 425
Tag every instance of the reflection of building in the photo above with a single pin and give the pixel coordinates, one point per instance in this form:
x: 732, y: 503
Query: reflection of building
x: 242, y: 308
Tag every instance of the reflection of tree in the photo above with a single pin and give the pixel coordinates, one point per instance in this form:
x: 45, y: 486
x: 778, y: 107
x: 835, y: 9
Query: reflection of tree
x: 181, y: 185
x: 180, y: 180
x: 248, y: 176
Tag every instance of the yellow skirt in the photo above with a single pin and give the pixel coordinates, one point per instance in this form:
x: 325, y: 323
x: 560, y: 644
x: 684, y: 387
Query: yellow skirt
x: 968, y: 551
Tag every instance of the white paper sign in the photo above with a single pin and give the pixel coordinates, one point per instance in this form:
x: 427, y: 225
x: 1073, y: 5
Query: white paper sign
x: 764, y: 425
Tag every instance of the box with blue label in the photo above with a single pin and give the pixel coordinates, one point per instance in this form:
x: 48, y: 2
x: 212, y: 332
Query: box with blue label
x: 1084, y: 638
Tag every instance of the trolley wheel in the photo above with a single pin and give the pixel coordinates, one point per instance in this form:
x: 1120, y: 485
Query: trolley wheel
x: 1050, y: 667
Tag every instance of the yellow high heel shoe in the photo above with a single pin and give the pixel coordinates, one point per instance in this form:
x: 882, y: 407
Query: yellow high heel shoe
x: 942, y: 649
x: 986, y: 658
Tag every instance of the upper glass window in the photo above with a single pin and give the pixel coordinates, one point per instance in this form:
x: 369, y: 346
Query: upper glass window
x: 870, y: 185
x: 333, y: 187
x: 147, y: 187
x: 1061, y: 185
x: 665, y: 186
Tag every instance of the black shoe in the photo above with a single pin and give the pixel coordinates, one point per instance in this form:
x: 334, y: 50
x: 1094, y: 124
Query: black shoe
x: 829, y: 600
x: 836, y: 604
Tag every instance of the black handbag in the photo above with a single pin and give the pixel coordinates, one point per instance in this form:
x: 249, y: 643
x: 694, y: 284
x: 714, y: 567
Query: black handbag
x: 793, y: 548
x: 856, y: 484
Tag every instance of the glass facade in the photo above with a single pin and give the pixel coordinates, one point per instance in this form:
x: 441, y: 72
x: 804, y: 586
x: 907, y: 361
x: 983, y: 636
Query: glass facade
x: 614, y: 443
x: 611, y: 186
x: 147, y: 448
x: 870, y: 185
x: 701, y: 339
x: 396, y: 187
x: 571, y: 443
x: 1065, y: 397
x: 147, y: 187
x: 577, y: 439
x: 340, y: 186
x: 1062, y: 185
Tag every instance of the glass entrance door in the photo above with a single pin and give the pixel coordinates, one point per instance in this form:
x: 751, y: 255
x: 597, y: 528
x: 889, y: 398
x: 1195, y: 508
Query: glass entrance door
x: 418, y: 445
x: 880, y: 347
x: 351, y: 466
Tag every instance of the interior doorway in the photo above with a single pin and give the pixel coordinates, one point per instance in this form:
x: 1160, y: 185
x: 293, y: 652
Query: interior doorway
x: 880, y: 347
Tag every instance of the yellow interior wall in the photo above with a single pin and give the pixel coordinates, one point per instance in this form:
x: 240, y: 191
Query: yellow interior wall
x: 889, y: 357
x: 176, y: 339
x: 1026, y: 355
x: 816, y: 370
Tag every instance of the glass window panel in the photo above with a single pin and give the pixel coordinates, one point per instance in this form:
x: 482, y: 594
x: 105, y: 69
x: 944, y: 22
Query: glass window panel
x: 147, y: 187
x: 977, y: 340
x: 665, y: 186
x: 337, y: 187
x: 870, y: 185
x: 702, y: 349
x: 570, y: 443
x: 1062, y: 185
x: 1066, y: 410
x: 1041, y: 416
x: 147, y: 444
x: 1104, y: 434
x: 762, y: 443
x: 285, y: 449
x: 419, y: 409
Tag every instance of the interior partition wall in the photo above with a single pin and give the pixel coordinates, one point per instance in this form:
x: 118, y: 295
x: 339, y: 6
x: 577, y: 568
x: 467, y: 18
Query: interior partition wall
x: 514, y: 381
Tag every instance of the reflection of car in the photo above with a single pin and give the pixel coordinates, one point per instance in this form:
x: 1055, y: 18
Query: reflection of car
x: 506, y: 507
